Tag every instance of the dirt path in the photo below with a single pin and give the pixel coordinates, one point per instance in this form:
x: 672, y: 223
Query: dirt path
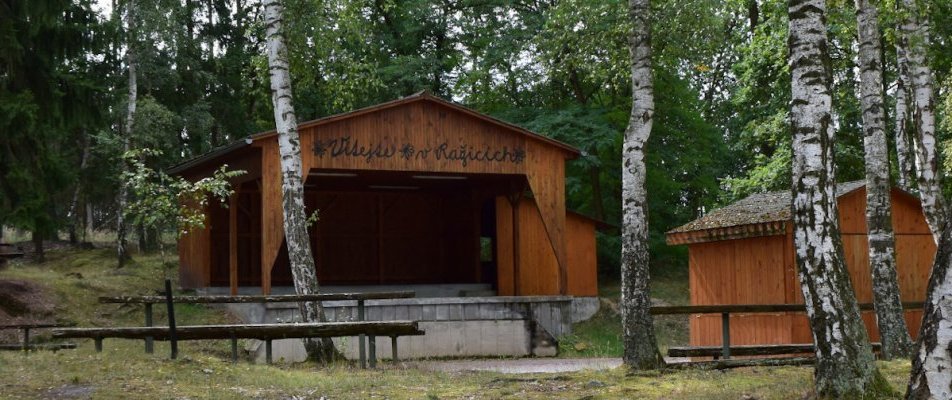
x: 520, y: 366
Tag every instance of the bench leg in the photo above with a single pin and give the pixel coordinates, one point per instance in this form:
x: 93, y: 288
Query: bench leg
x: 372, y: 343
x: 726, y: 335
x: 26, y: 339
x: 148, y: 322
x: 234, y: 349
x: 393, y: 344
x: 267, y: 351
x: 98, y: 345
x: 360, y: 339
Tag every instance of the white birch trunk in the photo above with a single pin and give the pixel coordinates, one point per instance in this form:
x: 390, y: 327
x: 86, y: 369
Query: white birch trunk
x: 931, y: 376
x: 914, y: 28
x: 845, y: 365
x: 641, y: 349
x: 303, y: 269
x: 882, y: 242
x: 122, y: 227
x: 905, y: 132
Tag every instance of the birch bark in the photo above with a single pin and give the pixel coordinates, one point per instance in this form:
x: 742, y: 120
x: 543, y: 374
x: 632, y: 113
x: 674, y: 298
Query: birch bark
x: 845, y: 365
x: 931, y: 376
x: 905, y: 132
x: 641, y: 349
x: 914, y: 31
x: 131, y: 41
x: 882, y: 242
x: 303, y: 269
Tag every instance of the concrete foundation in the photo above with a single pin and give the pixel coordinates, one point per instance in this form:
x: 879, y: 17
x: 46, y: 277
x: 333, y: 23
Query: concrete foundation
x: 455, y: 326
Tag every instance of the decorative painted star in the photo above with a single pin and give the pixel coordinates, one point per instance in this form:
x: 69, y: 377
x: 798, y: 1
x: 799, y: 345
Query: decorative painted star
x: 407, y: 151
x: 520, y: 156
x: 319, y: 148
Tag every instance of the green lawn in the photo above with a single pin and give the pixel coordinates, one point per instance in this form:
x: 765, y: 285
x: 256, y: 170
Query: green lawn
x: 75, y: 278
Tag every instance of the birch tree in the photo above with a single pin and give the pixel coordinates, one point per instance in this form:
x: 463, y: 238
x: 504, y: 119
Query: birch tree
x: 303, y: 269
x: 904, y: 131
x: 641, y: 349
x: 914, y: 32
x: 931, y: 376
x: 845, y: 365
x: 122, y: 227
x: 882, y: 242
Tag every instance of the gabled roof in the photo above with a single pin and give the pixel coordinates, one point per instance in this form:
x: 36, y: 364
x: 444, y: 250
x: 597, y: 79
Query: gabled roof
x: 760, y: 214
x: 571, y: 151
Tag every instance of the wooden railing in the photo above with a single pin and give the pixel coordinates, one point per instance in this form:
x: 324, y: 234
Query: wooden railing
x: 25, y: 329
x: 727, y: 309
x: 360, y: 298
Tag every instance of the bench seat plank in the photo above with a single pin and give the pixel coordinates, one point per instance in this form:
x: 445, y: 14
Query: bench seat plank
x: 258, y: 298
x: 254, y: 331
x: 746, y: 350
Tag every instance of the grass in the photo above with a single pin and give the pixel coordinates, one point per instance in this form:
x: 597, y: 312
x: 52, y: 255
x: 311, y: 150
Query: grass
x: 203, y: 371
x: 601, y: 335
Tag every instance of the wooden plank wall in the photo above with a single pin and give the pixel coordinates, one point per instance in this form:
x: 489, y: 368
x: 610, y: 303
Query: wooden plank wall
x: 582, y: 256
x: 195, y: 258
x: 762, y: 270
x: 538, y: 268
x: 420, y: 136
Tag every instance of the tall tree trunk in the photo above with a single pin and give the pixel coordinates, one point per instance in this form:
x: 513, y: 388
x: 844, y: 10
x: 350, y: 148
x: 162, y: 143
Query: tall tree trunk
x: 914, y: 29
x: 905, y: 132
x: 882, y: 242
x: 122, y: 252
x: 931, y: 376
x: 845, y: 365
x: 72, y: 214
x: 303, y: 269
x: 641, y: 349
x: 38, y: 254
x: 598, y: 199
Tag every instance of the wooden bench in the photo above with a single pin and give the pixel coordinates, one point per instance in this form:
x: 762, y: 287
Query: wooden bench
x: 25, y: 333
x: 359, y: 298
x: 9, y: 252
x: 726, y: 350
x: 266, y: 332
x: 746, y: 350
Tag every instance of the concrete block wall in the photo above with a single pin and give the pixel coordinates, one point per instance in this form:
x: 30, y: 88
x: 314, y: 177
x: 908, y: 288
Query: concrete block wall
x: 455, y: 326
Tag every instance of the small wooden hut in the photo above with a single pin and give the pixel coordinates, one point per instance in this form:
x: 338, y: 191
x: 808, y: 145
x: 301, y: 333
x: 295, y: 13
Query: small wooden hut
x: 743, y: 254
x: 416, y: 191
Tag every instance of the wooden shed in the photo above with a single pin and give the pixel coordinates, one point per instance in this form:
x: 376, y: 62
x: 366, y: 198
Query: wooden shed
x: 417, y: 191
x: 743, y: 254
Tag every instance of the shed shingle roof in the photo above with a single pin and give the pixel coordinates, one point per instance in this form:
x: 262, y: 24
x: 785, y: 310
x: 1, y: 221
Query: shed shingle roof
x: 755, y: 209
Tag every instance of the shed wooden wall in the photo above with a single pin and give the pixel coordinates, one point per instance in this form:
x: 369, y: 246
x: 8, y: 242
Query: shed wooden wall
x: 762, y: 270
x: 534, y: 269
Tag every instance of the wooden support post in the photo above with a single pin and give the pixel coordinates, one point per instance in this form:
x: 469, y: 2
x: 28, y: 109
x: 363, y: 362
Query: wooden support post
x: 726, y: 334
x: 393, y: 344
x: 26, y: 338
x: 171, y: 311
x: 148, y: 322
x: 267, y: 351
x: 233, y: 243
x: 98, y: 341
x: 516, y: 201
x: 234, y: 348
x: 372, y: 343
x: 360, y: 339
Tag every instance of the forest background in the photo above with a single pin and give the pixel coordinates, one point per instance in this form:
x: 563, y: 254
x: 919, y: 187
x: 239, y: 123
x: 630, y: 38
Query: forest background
x: 559, y: 68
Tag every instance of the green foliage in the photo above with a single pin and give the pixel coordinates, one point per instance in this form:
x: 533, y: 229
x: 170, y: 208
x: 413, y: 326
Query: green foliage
x: 160, y: 200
